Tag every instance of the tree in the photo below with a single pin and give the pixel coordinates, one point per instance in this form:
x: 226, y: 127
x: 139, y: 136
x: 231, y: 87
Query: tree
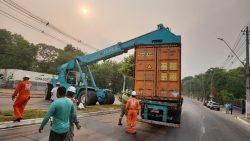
x: 45, y: 59
x: 17, y: 53
x: 223, y: 85
x: 106, y: 75
x: 69, y: 52
x: 126, y: 69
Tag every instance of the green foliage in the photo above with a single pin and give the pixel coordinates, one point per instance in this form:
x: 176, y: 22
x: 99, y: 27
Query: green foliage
x: 16, y: 53
x: 127, y: 66
x: 218, y: 83
x: 224, y: 96
x: 45, y: 60
x: 67, y: 54
x: 106, y: 75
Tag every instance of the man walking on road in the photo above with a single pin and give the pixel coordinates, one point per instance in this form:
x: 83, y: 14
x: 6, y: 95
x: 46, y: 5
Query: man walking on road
x: 23, y: 91
x: 62, y: 111
x: 133, y: 110
x: 70, y: 95
x: 53, y: 92
x: 124, y: 111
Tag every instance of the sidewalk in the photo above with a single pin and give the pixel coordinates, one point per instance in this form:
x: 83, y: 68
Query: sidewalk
x: 237, y: 114
x: 11, y: 124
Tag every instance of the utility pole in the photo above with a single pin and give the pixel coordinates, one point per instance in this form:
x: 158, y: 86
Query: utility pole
x: 247, y: 75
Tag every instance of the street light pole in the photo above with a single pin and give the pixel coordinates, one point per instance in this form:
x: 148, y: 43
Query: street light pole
x: 246, y: 66
x: 247, y: 75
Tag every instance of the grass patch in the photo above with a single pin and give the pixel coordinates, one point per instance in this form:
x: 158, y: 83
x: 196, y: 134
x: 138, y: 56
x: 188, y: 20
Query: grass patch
x: 7, y: 115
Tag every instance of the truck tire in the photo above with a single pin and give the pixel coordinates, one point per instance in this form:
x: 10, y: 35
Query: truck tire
x: 110, y: 98
x: 177, y: 116
x: 91, y: 98
x: 48, y: 91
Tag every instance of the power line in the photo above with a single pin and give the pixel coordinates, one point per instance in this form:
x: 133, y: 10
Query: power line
x: 46, y: 23
x: 240, y: 53
x: 6, y: 14
x: 236, y: 48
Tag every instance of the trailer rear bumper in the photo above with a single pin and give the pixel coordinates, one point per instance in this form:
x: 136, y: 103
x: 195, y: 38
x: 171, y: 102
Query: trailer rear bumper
x: 160, y: 123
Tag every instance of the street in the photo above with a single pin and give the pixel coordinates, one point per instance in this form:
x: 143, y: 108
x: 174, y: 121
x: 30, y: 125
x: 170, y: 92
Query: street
x: 198, y: 124
x: 34, y: 103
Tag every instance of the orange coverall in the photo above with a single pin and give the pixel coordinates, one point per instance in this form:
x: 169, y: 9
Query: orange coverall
x: 133, y: 108
x: 23, y: 91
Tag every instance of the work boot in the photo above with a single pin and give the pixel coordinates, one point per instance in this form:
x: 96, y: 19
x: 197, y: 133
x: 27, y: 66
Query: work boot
x: 78, y: 126
x: 17, y: 119
x: 120, y: 121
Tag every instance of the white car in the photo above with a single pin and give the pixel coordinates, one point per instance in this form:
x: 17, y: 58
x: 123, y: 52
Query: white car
x: 209, y: 103
x: 215, y: 106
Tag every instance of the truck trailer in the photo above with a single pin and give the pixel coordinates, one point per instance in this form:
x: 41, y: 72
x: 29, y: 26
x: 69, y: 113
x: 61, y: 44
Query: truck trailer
x: 158, y: 83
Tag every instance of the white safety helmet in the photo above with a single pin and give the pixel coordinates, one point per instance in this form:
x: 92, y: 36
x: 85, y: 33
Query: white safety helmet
x: 72, y: 89
x: 57, y: 83
x: 26, y: 76
x: 133, y: 93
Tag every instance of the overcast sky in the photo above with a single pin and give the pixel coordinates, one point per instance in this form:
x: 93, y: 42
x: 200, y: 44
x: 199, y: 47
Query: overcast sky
x: 102, y: 23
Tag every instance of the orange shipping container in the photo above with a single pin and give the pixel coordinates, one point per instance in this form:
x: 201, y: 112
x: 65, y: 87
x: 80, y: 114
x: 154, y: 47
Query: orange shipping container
x: 158, y: 72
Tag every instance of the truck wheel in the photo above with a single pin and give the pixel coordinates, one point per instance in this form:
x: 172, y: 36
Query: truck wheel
x: 110, y: 98
x: 177, y: 116
x: 101, y: 103
x: 48, y: 91
x: 90, y: 98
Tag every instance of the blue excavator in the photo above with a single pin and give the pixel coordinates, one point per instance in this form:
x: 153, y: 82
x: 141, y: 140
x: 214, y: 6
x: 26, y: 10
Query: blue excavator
x: 71, y: 73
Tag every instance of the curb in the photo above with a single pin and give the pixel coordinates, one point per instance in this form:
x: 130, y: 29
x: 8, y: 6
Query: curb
x: 11, y: 124
x: 240, y: 119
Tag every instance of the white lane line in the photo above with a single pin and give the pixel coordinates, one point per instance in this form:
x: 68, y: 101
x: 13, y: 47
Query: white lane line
x: 203, y: 130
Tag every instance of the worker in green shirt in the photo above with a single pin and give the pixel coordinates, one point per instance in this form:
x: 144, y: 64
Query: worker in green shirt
x: 62, y: 111
x: 124, y: 99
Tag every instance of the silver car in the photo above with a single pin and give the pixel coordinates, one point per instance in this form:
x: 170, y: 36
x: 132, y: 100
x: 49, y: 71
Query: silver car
x: 214, y: 106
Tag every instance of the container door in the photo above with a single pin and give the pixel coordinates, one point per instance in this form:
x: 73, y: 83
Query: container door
x: 145, y: 64
x: 168, y: 72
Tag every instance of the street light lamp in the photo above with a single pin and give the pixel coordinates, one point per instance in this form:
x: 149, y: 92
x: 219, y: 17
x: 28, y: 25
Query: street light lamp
x: 231, y: 50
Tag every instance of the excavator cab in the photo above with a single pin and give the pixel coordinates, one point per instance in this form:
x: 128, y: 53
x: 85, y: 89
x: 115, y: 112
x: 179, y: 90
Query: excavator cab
x: 73, y: 78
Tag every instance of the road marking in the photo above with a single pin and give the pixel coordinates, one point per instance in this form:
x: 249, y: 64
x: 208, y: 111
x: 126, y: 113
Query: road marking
x: 203, y: 130
x: 203, y: 117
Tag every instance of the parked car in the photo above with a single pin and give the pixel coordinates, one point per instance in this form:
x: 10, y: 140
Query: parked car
x: 214, y: 106
x: 209, y: 103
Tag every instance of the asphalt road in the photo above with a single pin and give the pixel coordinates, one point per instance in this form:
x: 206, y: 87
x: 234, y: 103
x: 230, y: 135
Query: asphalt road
x: 198, y: 124
x: 34, y: 103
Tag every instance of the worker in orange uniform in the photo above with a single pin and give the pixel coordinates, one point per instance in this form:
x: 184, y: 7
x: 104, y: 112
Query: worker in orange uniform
x: 22, y: 96
x: 132, y: 106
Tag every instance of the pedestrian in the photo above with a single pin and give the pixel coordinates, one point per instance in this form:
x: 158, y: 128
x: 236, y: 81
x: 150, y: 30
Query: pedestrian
x: 21, y: 96
x: 70, y: 94
x: 124, y: 99
x: 231, y: 108
x: 226, y: 106
x: 53, y: 92
x: 62, y: 111
x: 133, y: 110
